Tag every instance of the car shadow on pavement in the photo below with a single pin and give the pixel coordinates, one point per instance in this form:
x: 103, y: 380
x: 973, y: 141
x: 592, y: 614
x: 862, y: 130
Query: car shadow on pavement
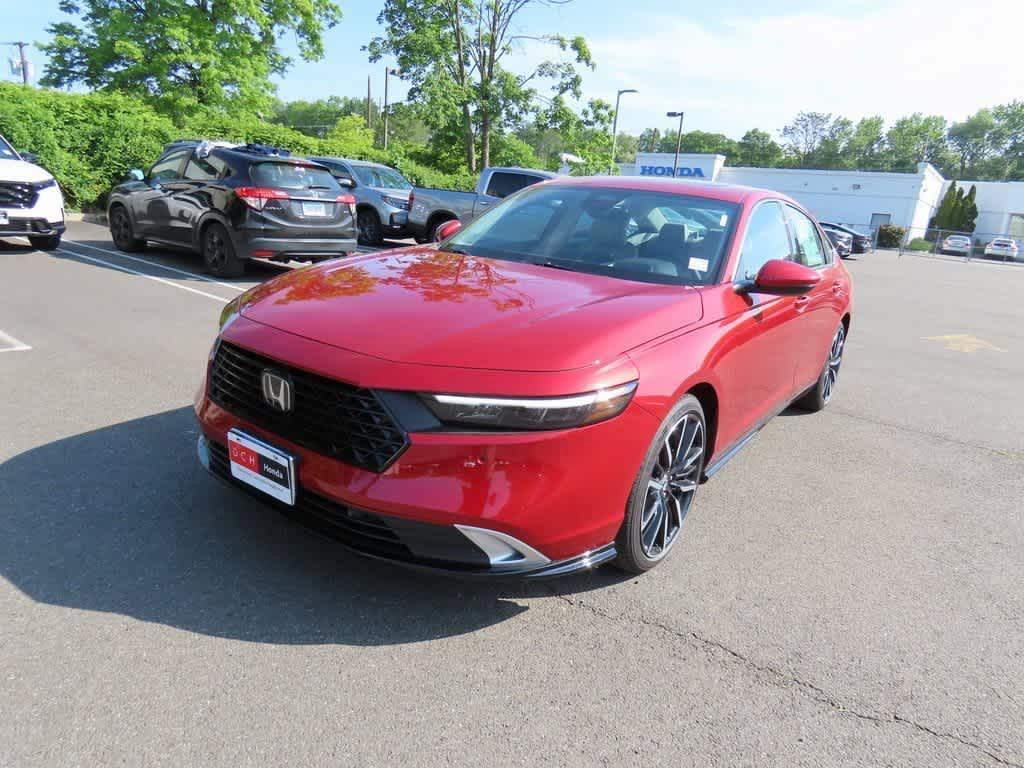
x: 123, y: 520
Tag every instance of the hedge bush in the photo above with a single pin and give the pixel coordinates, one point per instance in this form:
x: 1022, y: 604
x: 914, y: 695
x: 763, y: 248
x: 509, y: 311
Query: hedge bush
x: 890, y: 236
x: 919, y: 244
x: 89, y: 141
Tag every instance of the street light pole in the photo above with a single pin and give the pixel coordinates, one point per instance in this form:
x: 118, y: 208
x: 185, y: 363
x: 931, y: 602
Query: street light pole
x: 679, y: 140
x: 615, y: 123
x: 387, y: 71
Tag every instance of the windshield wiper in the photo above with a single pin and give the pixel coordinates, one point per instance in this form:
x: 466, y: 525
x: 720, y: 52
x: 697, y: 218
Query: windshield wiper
x: 552, y: 265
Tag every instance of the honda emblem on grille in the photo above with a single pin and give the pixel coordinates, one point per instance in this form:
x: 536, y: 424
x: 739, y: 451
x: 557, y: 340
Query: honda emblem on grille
x: 277, y: 391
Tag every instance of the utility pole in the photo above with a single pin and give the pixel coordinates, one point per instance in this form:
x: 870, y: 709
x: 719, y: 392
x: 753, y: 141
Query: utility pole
x: 679, y: 140
x: 615, y: 123
x: 369, y: 105
x: 387, y: 72
x: 24, y: 60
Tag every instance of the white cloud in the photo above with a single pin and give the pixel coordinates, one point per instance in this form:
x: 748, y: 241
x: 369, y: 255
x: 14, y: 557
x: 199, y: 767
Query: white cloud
x: 935, y: 56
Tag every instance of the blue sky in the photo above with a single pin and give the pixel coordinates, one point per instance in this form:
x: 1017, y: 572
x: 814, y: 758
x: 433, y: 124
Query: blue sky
x: 731, y: 65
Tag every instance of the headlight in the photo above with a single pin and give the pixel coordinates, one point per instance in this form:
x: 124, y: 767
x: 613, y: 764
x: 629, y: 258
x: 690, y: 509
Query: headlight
x: 529, y: 413
x: 230, y: 312
x: 396, y: 202
x: 41, y: 185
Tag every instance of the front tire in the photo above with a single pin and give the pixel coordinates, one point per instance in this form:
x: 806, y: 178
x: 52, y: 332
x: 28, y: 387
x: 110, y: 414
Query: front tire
x: 219, y: 255
x: 122, y: 231
x: 821, y: 393
x: 370, y: 230
x: 664, y: 489
x: 47, y: 243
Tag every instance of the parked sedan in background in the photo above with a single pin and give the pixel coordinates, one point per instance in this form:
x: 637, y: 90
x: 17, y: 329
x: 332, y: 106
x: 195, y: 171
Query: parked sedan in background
x: 382, y: 197
x: 862, y: 243
x: 232, y: 203
x: 960, y: 244
x: 841, y: 241
x: 542, y: 392
x: 1002, y: 247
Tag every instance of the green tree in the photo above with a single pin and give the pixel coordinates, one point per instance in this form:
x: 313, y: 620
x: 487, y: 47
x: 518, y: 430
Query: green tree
x: 453, y: 52
x: 804, y: 136
x: 586, y: 134
x: 969, y: 210
x: 1010, y: 119
x: 914, y: 139
x: 316, y: 118
x: 865, y: 148
x: 184, y: 53
x: 758, y: 149
x: 650, y: 140
x: 626, y: 147
x: 975, y: 139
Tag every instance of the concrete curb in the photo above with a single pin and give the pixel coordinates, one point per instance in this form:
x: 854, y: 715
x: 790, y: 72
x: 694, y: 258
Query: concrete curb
x: 88, y: 218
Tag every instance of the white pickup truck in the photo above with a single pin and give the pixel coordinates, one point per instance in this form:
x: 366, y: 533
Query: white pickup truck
x: 31, y: 203
x: 430, y: 208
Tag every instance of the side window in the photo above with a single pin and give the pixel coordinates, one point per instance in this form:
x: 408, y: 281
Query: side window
x: 766, y: 238
x: 167, y: 167
x: 503, y: 184
x: 206, y: 168
x: 809, y: 249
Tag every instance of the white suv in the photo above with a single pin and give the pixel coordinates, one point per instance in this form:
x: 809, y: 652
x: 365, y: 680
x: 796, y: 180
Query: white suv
x: 31, y: 204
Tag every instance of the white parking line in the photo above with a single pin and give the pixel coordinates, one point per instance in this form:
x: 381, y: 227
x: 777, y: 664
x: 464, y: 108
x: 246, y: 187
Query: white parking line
x: 221, y: 299
x: 121, y: 255
x: 10, y: 344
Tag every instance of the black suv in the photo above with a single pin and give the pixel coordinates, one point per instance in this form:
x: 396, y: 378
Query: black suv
x: 232, y: 203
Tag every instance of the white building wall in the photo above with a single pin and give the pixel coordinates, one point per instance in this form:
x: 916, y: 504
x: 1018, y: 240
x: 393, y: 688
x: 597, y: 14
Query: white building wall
x: 853, y: 198
x: 997, y: 202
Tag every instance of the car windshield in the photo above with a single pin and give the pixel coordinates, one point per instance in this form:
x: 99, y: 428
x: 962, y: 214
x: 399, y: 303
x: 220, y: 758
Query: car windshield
x: 293, y: 176
x: 7, y: 151
x: 631, y: 234
x: 383, y: 178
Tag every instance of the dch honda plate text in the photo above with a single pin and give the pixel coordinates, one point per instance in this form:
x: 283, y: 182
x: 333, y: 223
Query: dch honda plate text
x: 541, y: 392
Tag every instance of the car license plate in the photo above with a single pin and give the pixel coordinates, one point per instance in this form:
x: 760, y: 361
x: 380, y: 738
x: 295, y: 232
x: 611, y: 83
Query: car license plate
x: 400, y: 219
x: 314, y: 209
x: 262, y: 466
x: 3, y: 217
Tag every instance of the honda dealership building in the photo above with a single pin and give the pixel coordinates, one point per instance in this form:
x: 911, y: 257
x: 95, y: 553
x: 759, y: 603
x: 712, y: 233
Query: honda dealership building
x: 863, y: 199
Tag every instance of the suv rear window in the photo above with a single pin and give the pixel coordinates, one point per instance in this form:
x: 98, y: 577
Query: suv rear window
x: 292, y: 176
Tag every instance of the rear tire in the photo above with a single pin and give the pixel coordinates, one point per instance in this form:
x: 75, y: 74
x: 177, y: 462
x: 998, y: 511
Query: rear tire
x: 46, y: 243
x: 818, y: 396
x: 219, y: 255
x: 122, y: 231
x: 664, y: 489
x: 370, y: 230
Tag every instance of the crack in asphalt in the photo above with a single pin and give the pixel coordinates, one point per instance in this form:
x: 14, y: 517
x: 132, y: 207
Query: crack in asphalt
x: 1015, y: 455
x: 785, y: 679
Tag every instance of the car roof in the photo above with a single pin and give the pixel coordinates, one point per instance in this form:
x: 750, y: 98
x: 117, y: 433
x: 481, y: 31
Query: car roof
x: 713, y: 190
x: 360, y: 163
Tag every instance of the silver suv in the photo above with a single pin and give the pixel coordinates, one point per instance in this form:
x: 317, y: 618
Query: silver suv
x: 382, y: 197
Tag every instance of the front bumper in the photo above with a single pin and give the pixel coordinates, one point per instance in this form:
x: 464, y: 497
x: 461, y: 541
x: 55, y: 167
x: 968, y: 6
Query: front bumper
x: 465, y: 551
x: 22, y: 226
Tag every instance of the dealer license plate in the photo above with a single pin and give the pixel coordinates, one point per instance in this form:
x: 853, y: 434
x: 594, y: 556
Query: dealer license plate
x: 262, y: 466
x: 314, y: 209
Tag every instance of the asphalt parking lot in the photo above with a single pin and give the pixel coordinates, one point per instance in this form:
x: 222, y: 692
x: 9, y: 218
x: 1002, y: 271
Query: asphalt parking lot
x: 848, y: 591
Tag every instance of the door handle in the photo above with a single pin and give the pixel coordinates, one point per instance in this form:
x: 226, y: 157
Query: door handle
x: 801, y: 303
x: 837, y: 287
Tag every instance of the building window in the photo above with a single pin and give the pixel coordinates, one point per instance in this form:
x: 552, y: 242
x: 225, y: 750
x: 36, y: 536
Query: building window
x: 1017, y: 225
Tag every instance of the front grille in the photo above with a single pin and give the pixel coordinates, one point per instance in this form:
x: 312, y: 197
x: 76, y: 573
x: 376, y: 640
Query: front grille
x: 16, y: 194
x: 360, y: 530
x: 330, y: 417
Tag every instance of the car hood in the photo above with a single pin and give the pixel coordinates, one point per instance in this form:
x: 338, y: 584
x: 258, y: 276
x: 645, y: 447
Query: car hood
x: 421, y: 305
x: 19, y: 170
x: 401, y: 194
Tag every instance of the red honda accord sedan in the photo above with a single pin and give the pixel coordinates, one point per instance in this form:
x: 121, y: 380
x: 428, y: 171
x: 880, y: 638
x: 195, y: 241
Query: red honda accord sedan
x: 543, y: 391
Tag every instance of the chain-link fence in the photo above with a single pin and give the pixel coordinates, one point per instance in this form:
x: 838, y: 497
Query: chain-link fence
x: 988, y: 246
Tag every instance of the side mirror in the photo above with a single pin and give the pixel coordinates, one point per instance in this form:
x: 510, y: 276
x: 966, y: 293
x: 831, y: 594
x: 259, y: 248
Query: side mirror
x: 136, y: 175
x: 783, y: 278
x: 447, y: 229
x: 29, y: 157
x: 345, y: 182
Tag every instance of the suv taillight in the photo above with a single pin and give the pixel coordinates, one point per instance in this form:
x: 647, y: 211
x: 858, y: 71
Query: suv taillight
x: 258, y: 197
x: 412, y: 196
x: 348, y: 200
